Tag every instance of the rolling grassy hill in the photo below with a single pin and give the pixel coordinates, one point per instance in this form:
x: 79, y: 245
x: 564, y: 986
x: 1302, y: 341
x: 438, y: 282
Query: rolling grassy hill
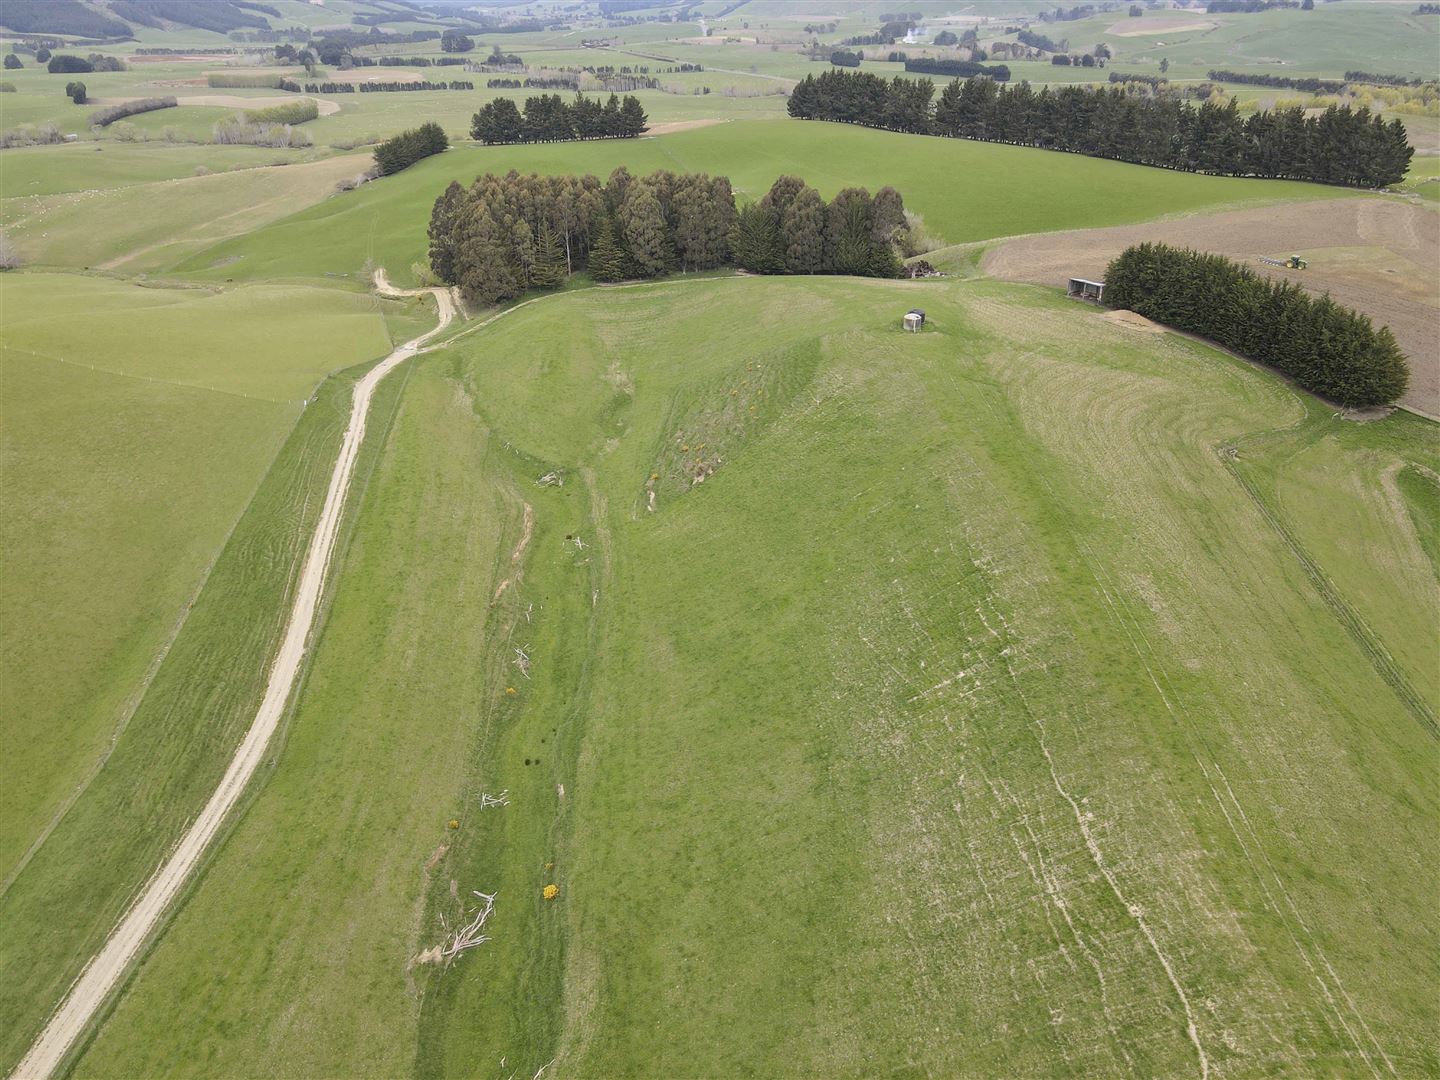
x: 979, y: 711
x: 142, y: 226
x: 967, y: 191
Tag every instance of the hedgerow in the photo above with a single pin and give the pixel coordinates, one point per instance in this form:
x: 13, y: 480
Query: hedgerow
x: 408, y: 147
x: 292, y: 112
x: 1328, y: 349
x: 107, y: 116
x: 243, y: 80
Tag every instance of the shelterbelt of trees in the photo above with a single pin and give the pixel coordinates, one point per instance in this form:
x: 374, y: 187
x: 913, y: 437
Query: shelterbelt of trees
x: 1345, y: 146
x: 403, y: 150
x: 550, y: 118
x: 507, y: 234
x: 1327, y: 349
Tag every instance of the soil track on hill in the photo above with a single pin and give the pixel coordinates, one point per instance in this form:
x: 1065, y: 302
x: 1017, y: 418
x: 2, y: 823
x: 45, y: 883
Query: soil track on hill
x: 104, y: 972
x: 1380, y: 256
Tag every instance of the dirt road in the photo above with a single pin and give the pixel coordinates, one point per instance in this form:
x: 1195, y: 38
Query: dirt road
x: 1377, y: 255
x: 105, y: 970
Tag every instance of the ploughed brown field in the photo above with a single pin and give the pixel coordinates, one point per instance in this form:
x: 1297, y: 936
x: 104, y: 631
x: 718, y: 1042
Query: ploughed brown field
x: 1377, y: 255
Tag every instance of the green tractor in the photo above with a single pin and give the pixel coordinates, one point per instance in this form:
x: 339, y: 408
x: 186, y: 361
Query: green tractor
x: 1294, y: 262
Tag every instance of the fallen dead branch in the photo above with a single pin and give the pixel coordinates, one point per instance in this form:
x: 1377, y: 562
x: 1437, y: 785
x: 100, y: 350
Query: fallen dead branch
x: 469, y: 935
x: 522, y: 661
x: 552, y: 479
x: 488, y: 800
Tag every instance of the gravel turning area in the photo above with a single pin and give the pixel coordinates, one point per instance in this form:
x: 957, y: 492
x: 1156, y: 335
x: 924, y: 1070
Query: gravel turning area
x: 1377, y: 255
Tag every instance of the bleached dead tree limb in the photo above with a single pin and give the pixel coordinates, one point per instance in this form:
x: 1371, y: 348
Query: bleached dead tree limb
x: 522, y: 661
x: 469, y: 935
x: 488, y: 800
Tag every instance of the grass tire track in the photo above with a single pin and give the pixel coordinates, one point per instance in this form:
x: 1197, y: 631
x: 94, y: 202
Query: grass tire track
x: 1348, y: 617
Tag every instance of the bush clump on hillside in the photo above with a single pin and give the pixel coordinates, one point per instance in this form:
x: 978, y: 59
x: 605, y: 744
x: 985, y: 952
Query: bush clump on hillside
x: 9, y: 255
x: 237, y: 132
x: 1328, y: 349
x: 292, y: 112
x: 107, y: 116
x: 61, y: 64
x: 30, y: 135
x: 76, y: 92
x: 408, y: 147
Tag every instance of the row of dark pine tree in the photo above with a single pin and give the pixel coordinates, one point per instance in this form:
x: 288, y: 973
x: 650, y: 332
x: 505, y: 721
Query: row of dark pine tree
x: 550, y: 118
x: 1327, y: 349
x: 792, y: 230
x: 1343, y: 146
x: 506, y: 234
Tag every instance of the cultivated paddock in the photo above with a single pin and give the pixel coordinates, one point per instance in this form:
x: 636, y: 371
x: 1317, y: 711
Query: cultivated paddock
x: 1377, y: 255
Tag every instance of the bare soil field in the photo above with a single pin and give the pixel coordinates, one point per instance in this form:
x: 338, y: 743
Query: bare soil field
x: 684, y: 125
x: 231, y: 101
x: 1379, y: 256
x: 170, y: 58
x: 1148, y: 27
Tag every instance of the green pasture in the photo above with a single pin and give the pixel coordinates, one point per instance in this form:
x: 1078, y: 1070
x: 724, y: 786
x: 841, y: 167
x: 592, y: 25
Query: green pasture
x: 146, y: 225
x: 974, y: 715
x: 966, y: 190
x: 152, y: 524
x: 138, y: 423
x: 1333, y: 38
x: 1423, y: 178
x: 69, y: 167
x: 195, y: 123
x: 378, y: 115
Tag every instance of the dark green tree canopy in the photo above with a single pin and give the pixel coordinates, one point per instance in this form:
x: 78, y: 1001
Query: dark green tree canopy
x: 506, y: 234
x: 1327, y: 349
x: 1127, y: 122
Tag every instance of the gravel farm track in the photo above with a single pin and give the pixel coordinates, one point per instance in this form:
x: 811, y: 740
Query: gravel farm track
x: 1377, y: 255
x: 105, y: 970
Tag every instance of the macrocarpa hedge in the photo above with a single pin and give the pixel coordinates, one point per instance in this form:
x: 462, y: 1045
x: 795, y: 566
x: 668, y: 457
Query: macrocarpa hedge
x: 1328, y: 349
x: 243, y: 80
x: 107, y: 116
x: 292, y: 112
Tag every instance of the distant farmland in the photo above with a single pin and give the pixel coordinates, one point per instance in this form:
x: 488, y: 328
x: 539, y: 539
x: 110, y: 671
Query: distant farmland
x: 967, y: 191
